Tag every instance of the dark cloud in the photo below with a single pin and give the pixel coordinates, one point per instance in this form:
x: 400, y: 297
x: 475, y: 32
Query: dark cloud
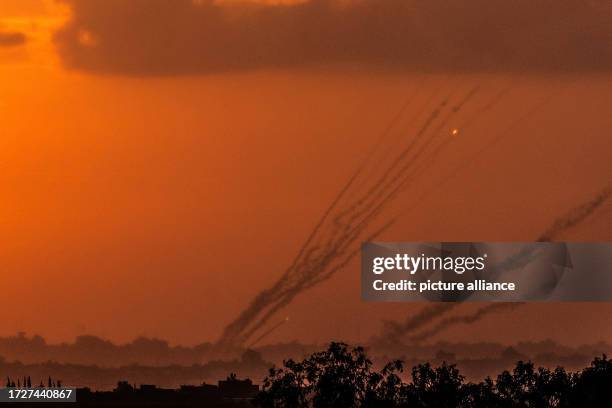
x: 12, y: 39
x: 170, y: 37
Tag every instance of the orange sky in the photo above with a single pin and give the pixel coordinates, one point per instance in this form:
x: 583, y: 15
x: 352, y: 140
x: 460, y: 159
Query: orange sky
x: 159, y: 206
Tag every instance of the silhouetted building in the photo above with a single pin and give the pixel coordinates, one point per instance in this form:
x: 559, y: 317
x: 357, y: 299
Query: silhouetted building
x: 231, y: 392
x: 234, y: 388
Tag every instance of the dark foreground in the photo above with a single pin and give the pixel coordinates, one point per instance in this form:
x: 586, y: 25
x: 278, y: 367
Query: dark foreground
x: 344, y: 377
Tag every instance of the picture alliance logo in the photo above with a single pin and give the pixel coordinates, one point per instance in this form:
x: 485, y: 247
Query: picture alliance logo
x: 414, y: 264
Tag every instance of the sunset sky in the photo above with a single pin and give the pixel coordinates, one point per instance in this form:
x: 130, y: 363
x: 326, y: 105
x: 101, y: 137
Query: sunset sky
x: 162, y: 161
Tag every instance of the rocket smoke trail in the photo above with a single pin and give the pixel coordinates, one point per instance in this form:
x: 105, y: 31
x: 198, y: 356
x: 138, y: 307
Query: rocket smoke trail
x: 394, y: 331
x: 268, y: 332
x: 499, y: 136
x: 464, y: 319
x: 429, y: 314
x: 420, y: 109
x: 407, y: 156
x: 575, y: 216
x: 331, y: 244
x: 320, y: 277
x: 391, y: 182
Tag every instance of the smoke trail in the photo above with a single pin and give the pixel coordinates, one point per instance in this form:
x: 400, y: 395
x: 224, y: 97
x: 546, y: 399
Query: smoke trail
x: 575, y: 216
x: 516, y: 261
x: 487, y: 107
x: 389, y: 128
x: 420, y: 109
x: 391, y: 173
x: 268, y: 332
x: 519, y: 260
x: 408, y: 176
x: 430, y: 313
x: 266, y: 296
x: 315, y: 261
x: 413, y: 164
x: 418, y: 170
x: 495, y: 140
x: 391, y: 185
x: 373, y: 192
x: 394, y: 330
x: 307, y: 275
x: 465, y: 319
x: 286, y: 297
x: 386, y: 188
x: 335, y: 247
x: 351, y: 181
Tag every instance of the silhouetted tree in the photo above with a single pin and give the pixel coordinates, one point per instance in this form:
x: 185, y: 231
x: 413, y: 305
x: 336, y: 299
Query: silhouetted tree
x: 481, y: 395
x: 516, y: 388
x: 386, y: 388
x: 527, y: 387
x: 343, y: 377
x: 593, y: 386
x: 339, y: 376
x: 439, y: 387
x: 336, y: 377
x: 285, y: 387
x: 553, y: 388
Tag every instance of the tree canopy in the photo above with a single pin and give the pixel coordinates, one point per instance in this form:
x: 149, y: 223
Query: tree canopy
x: 342, y: 376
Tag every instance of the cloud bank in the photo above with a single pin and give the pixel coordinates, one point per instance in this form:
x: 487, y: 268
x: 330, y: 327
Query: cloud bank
x: 12, y: 39
x: 175, y: 37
